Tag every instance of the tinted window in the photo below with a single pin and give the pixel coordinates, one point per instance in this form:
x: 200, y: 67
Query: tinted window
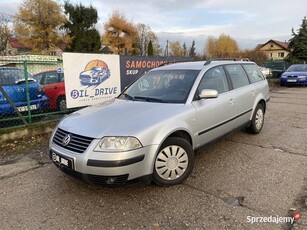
x: 237, y: 75
x: 253, y: 73
x: 214, y: 78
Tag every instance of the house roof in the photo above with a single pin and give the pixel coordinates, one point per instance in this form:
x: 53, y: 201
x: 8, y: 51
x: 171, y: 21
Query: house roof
x: 15, y: 43
x: 284, y: 45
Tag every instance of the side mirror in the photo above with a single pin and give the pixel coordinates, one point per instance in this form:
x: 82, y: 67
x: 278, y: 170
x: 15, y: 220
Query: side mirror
x: 208, y: 93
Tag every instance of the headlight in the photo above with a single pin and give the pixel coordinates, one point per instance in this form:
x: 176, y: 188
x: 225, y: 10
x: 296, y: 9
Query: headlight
x: 117, y: 144
x: 301, y: 77
x: 283, y: 76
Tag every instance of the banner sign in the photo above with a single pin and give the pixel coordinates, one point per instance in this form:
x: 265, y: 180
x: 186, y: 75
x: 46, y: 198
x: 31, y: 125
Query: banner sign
x: 90, y: 78
x: 132, y: 67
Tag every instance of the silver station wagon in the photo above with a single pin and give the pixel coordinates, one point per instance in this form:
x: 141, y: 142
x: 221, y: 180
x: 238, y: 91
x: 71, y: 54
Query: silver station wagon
x: 152, y: 130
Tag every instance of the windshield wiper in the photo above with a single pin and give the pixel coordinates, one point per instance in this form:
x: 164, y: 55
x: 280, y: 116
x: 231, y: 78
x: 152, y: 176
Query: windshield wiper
x: 150, y: 99
x: 129, y: 97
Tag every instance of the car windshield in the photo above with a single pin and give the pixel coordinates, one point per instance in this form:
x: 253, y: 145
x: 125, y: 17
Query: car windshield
x: 297, y: 68
x: 165, y: 86
x: 12, y: 76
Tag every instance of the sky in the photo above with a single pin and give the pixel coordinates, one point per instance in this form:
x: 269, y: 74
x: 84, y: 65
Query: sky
x: 249, y: 22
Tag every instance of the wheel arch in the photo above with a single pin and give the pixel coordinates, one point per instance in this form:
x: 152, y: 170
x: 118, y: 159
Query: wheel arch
x: 260, y: 101
x: 183, y: 134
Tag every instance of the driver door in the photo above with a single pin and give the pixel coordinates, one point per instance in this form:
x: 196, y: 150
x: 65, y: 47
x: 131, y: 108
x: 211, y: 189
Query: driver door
x: 214, y: 116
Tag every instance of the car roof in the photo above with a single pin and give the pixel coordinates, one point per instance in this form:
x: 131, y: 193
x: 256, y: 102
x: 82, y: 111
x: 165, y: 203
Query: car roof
x: 47, y: 71
x: 199, y: 65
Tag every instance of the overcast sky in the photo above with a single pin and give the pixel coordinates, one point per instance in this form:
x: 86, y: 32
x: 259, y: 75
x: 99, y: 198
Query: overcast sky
x: 249, y: 22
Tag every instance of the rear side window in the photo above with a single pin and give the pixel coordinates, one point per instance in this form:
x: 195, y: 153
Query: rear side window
x: 253, y: 72
x: 237, y: 75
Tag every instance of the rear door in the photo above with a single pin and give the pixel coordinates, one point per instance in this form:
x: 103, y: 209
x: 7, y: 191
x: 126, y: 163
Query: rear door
x: 244, y: 93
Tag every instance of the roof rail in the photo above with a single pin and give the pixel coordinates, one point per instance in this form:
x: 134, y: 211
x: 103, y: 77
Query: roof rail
x: 166, y: 63
x: 226, y: 59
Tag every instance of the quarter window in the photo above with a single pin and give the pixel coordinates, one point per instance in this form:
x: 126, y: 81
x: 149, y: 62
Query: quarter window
x: 237, y: 75
x: 254, y: 74
x: 214, y: 78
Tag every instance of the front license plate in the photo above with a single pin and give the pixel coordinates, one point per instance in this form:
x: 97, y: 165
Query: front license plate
x: 61, y: 161
x: 292, y: 80
x: 25, y: 108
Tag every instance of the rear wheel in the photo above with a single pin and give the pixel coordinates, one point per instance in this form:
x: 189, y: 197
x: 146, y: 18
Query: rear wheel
x: 174, y: 162
x: 257, y: 121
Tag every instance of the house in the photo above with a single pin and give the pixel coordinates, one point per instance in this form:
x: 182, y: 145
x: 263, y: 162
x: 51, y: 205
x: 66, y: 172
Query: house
x: 15, y: 47
x: 275, y: 50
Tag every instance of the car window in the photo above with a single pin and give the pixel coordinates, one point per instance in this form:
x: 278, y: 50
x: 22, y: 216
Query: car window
x: 214, y: 78
x: 237, y: 75
x: 167, y: 86
x: 61, y: 76
x: 253, y: 73
x: 12, y: 76
x: 51, y: 78
x: 38, y: 78
x: 297, y: 68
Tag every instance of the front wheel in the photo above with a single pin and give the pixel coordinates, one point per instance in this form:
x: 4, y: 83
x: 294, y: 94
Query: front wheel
x: 174, y: 162
x: 257, y: 121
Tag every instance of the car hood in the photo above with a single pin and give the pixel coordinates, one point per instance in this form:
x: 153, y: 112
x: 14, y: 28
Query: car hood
x: 295, y: 73
x: 118, y: 117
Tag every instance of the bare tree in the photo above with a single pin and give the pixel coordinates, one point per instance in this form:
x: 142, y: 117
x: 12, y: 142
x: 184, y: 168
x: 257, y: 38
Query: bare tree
x: 145, y: 35
x: 5, y: 31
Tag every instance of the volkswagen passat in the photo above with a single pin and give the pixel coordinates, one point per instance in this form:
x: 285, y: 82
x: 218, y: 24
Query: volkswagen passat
x: 152, y: 130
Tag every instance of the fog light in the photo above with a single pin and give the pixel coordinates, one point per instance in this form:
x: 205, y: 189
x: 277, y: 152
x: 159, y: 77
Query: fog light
x: 111, y: 180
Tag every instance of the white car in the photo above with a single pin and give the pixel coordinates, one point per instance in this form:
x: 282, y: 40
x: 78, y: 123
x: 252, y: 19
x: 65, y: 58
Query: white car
x: 152, y: 130
x: 267, y: 72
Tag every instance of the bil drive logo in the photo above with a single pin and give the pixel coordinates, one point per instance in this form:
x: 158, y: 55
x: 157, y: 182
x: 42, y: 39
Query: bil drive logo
x: 95, y: 73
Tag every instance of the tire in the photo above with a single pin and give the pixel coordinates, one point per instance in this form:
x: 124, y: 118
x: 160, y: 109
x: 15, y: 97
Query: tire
x: 257, y: 121
x: 174, y: 162
x: 62, y: 103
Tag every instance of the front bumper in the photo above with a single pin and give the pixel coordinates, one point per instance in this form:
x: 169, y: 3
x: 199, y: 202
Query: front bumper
x: 41, y: 104
x: 293, y: 81
x: 104, y: 168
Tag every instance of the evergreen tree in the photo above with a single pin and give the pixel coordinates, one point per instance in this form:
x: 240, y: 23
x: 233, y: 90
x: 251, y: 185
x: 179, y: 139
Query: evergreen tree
x: 80, y: 27
x: 298, y: 44
x: 150, y: 51
x: 192, y: 50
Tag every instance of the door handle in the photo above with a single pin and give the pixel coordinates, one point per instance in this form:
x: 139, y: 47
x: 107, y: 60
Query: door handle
x: 231, y: 101
x: 253, y: 93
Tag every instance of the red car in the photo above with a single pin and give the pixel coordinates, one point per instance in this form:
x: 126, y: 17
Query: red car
x: 53, y: 83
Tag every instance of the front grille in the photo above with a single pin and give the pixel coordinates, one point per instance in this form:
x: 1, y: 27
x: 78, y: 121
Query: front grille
x: 76, y: 144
